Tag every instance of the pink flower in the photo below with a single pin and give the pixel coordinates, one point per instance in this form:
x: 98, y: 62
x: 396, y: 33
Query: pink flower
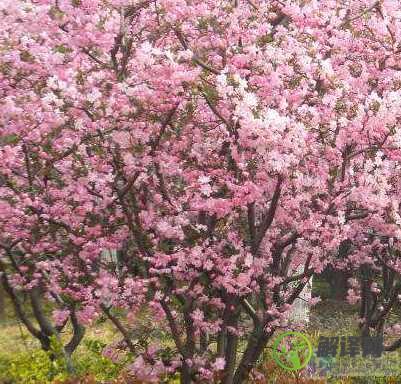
x: 60, y: 316
x: 219, y: 364
x: 197, y: 316
x: 87, y: 314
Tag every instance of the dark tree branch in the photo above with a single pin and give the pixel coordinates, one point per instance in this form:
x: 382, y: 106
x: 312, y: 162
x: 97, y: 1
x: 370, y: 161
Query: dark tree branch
x: 78, y: 334
x: 269, y: 216
x: 250, y: 311
x: 252, y: 225
x: 167, y: 120
x: 120, y: 327
x: 394, y: 346
x: 45, y: 325
x: 195, y: 57
x: 18, y: 306
x: 174, y: 329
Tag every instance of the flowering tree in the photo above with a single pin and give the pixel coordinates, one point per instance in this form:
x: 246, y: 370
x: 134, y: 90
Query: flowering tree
x: 226, y: 150
x: 376, y: 287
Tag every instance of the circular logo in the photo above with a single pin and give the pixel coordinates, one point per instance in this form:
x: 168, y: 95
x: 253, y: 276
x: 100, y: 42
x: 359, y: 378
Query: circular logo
x: 292, y: 351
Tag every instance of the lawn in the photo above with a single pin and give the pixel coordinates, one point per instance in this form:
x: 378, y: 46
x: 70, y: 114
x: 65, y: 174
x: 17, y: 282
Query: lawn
x: 22, y: 361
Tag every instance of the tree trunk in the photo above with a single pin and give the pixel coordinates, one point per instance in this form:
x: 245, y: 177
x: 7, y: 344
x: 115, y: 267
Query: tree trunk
x: 2, y: 304
x: 231, y: 352
x: 338, y: 282
x: 185, y: 377
x: 256, y: 344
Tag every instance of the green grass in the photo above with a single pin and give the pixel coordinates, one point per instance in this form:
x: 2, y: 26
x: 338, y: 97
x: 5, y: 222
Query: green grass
x: 22, y: 361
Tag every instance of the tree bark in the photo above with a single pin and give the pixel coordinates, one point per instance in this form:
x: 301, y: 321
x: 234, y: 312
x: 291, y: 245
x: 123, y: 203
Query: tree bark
x: 256, y: 343
x: 185, y: 377
x: 337, y: 281
x: 120, y: 327
x: 2, y: 304
x: 230, y: 358
x: 77, y: 336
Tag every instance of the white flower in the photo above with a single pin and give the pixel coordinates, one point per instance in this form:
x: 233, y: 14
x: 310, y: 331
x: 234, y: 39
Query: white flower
x: 397, y: 138
x: 50, y: 97
x: 327, y: 69
x: 351, y: 172
x: 146, y: 47
x: 158, y: 296
x: 204, y: 179
x: 94, y: 95
x: 373, y: 97
x: 221, y: 79
x: 342, y: 121
x: 273, y: 119
x: 242, y: 83
x: 79, y: 124
x: 208, y: 265
x: 186, y: 55
x: 123, y: 86
x: 169, y: 55
x: 341, y: 217
x: 248, y: 260
x: 52, y: 82
x: 206, y: 189
x: 378, y: 158
x: 250, y: 99
x: 130, y: 92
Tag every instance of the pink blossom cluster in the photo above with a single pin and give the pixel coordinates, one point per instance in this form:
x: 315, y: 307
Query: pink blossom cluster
x: 189, y: 158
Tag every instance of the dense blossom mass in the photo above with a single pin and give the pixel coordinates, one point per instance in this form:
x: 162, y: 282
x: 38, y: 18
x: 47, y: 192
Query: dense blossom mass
x: 226, y: 150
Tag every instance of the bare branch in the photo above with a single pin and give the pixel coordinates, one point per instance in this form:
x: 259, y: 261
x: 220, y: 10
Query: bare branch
x: 250, y: 311
x: 195, y: 57
x: 269, y: 216
x: 174, y: 328
x: 120, y: 327
x: 78, y: 334
x: 17, y: 304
